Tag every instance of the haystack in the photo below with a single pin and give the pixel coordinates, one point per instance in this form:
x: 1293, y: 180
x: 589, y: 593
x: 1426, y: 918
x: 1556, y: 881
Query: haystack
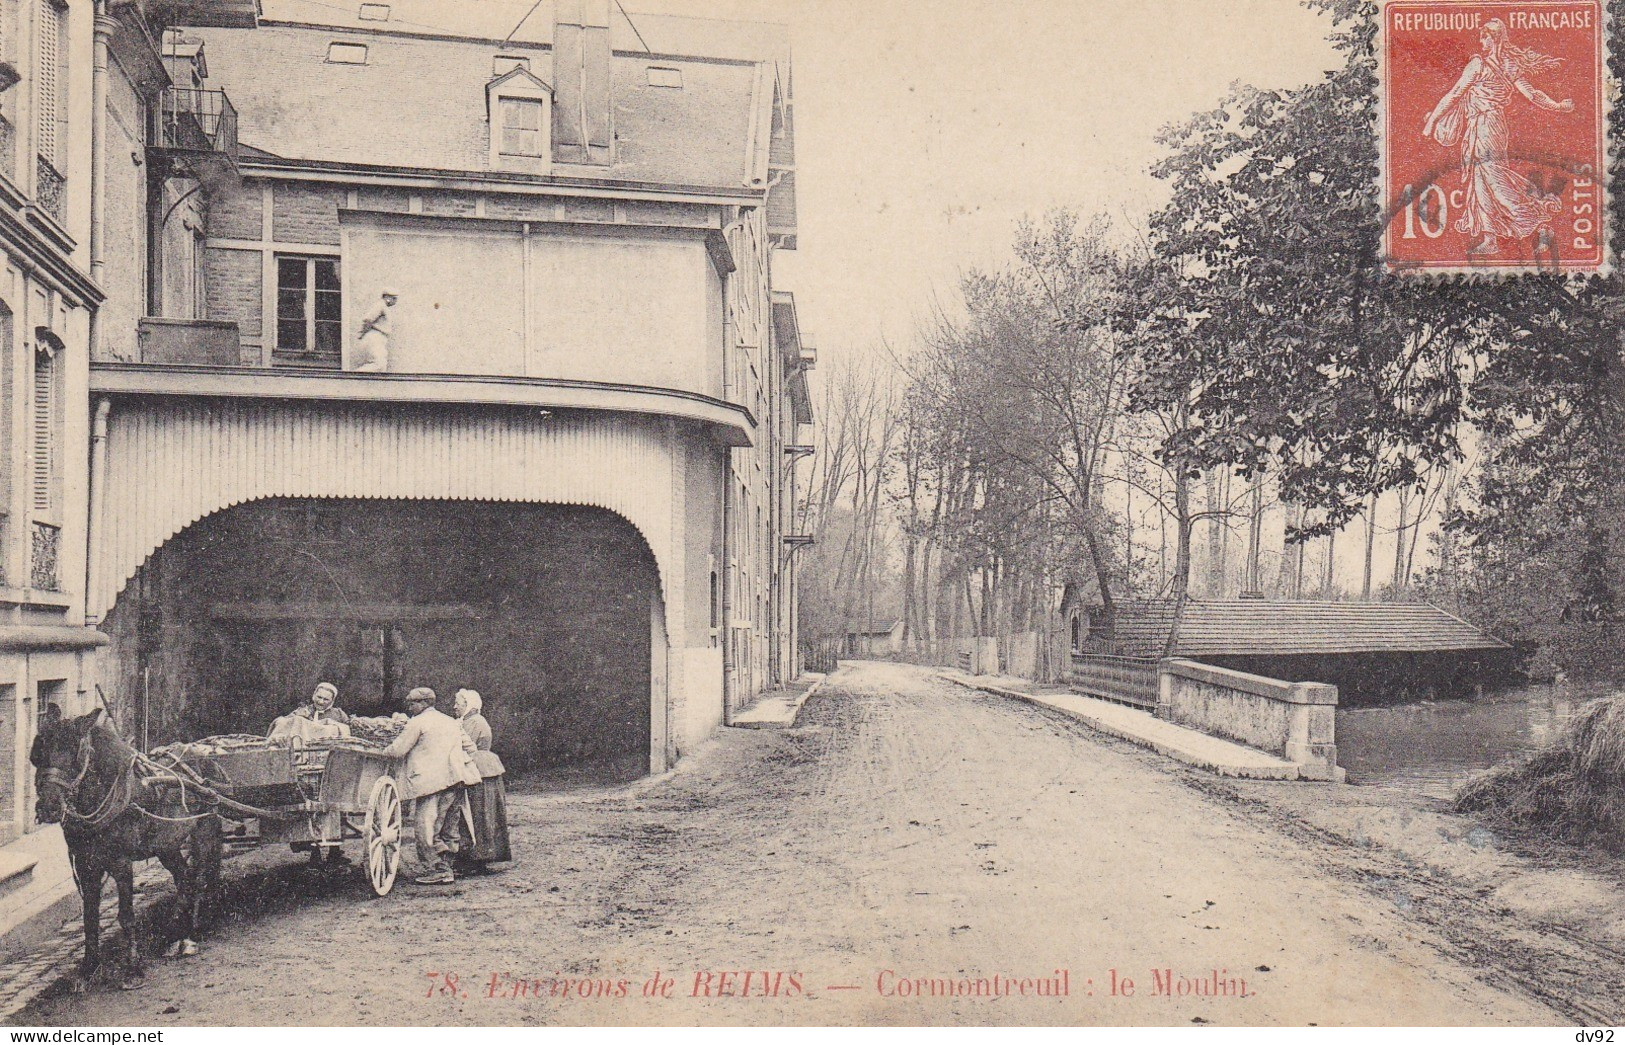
x: 1573, y: 789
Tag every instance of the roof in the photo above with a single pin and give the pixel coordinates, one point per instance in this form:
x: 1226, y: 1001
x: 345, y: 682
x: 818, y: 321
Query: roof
x: 420, y: 103
x: 529, y: 22
x: 881, y: 626
x: 1279, y: 627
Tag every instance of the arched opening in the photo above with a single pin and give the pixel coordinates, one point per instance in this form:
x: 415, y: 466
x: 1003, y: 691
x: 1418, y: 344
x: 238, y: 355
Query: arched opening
x: 545, y: 609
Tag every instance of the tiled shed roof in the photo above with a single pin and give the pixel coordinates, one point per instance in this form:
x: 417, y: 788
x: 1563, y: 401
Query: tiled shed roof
x: 1269, y: 627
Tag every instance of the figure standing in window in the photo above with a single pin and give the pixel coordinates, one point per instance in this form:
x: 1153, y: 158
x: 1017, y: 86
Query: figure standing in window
x: 1500, y: 202
x: 372, y: 350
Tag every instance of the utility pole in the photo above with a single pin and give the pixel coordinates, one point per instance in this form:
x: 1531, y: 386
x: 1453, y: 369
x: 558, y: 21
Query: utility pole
x: 1370, y: 543
x: 1254, y: 537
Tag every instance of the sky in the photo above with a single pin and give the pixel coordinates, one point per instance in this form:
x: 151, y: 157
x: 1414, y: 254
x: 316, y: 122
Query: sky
x: 926, y: 131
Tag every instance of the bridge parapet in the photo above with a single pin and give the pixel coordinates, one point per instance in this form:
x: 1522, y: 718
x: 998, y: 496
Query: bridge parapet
x: 1296, y: 720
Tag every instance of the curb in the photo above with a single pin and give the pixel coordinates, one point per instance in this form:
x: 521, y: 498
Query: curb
x: 794, y: 708
x: 1287, y: 771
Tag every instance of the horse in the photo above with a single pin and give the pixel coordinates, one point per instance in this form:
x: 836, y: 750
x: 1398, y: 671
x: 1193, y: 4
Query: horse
x: 114, y: 812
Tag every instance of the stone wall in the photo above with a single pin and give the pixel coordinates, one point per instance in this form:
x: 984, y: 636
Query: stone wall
x: 1296, y: 720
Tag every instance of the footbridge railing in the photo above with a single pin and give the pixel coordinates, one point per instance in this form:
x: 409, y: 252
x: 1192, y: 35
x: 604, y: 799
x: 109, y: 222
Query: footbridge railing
x: 1127, y: 680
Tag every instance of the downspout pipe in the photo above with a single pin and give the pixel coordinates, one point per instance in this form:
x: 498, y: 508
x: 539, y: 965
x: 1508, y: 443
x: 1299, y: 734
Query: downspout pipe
x: 98, y: 484
x: 105, y: 27
x: 90, y: 667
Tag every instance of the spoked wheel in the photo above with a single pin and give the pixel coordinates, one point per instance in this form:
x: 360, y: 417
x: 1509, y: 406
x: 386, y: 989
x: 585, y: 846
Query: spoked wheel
x: 382, y: 835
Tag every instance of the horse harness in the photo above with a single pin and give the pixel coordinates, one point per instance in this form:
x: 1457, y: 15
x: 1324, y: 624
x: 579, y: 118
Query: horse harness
x: 120, y: 797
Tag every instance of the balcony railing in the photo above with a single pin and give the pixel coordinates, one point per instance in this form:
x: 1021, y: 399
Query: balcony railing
x: 195, y: 121
x: 47, y: 543
x: 51, y: 190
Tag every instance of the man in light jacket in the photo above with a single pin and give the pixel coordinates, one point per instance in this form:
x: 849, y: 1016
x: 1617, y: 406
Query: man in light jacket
x: 439, y: 763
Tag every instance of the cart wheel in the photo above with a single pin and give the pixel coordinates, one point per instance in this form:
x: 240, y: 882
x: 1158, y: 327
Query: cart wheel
x: 382, y: 835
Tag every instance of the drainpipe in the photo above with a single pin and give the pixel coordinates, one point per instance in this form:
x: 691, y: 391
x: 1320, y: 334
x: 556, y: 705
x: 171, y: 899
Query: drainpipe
x: 105, y: 27
x: 93, y: 535
x: 90, y: 665
x: 726, y: 577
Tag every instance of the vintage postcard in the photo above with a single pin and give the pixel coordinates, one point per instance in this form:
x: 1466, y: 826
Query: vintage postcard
x: 671, y: 513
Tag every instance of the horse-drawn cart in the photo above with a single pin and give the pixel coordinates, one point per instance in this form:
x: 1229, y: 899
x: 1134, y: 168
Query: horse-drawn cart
x: 314, y: 796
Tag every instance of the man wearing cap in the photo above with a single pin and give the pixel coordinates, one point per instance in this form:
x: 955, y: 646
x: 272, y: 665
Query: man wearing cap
x: 439, y: 763
x: 372, y: 350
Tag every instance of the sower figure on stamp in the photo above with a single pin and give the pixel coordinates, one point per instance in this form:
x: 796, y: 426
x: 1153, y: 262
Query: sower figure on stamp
x: 1500, y: 202
x: 439, y: 764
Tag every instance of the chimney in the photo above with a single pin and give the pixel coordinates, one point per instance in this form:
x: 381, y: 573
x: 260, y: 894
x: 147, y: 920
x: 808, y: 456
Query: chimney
x: 583, y: 114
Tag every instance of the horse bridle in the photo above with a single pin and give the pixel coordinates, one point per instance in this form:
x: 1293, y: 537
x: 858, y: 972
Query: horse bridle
x: 58, y: 778
x: 111, y: 806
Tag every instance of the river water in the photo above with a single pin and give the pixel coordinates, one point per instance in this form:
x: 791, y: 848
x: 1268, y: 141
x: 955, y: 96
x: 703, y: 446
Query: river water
x: 1433, y: 747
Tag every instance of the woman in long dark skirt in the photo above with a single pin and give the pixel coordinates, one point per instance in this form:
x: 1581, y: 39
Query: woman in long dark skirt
x: 488, y: 802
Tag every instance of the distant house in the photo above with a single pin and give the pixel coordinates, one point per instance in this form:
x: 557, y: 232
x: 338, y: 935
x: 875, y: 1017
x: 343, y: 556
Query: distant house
x: 868, y: 639
x: 1372, y: 651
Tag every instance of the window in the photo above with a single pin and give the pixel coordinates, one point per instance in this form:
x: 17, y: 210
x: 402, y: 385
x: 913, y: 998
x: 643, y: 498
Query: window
x: 309, y: 308
x: 507, y: 63
x: 374, y: 13
x: 347, y: 54
x: 50, y: 99
x: 522, y: 127
x: 665, y: 76
x: 44, y: 428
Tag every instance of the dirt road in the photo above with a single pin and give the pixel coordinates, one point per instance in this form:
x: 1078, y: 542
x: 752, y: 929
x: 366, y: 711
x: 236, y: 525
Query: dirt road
x: 908, y: 837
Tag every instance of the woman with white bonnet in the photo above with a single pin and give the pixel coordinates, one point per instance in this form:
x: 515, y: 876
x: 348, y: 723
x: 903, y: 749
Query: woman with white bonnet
x: 489, y: 801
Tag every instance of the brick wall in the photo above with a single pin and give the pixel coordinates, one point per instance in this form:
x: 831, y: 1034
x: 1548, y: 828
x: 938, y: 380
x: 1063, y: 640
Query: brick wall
x: 237, y: 212
x: 652, y: 212
x: 233, y: 281
x: 455, y: 204
x: 303, y: 213
x: 374, y: 198
x: 521, y: 208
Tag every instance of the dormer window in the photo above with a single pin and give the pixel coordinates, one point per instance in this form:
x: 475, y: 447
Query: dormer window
x: 522, y: 127
x: 519, y: 110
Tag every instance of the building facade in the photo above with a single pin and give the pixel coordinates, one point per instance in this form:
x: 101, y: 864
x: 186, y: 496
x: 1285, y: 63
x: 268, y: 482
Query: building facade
x: 48, y: 303
x: 450, y: 355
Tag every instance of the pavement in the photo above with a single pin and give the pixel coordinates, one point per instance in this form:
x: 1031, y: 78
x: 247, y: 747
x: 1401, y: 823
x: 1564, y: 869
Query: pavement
x: 777, y: 709
x: 1192, y: 747
x: 35, y: 969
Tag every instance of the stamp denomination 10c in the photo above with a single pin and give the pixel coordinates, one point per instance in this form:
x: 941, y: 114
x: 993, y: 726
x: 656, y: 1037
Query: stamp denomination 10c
x: 1493, y: 136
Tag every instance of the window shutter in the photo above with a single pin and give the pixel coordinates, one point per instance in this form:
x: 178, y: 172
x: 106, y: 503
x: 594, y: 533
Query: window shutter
x: 52, y: 25
x: 44, y: 415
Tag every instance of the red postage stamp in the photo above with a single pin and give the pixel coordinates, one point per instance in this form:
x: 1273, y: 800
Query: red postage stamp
x: 1493, y: 136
